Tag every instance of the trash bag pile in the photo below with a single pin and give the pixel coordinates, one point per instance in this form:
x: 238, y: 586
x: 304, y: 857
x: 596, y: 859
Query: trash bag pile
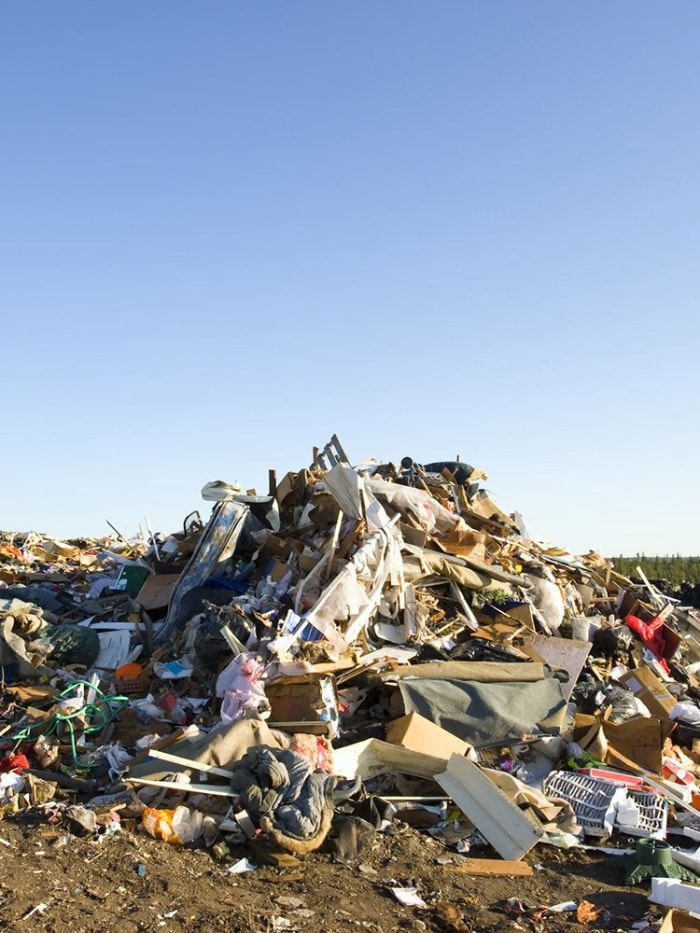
x: 304, y: 667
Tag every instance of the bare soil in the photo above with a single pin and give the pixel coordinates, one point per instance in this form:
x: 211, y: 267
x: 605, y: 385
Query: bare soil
x: 132, y: 882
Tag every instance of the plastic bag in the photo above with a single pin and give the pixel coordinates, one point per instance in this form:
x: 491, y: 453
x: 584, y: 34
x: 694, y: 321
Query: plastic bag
x: 624, y: 705
x: 420, y: 505
x: 178, y: 826
x: 73, y: 644
x: 239, y: 685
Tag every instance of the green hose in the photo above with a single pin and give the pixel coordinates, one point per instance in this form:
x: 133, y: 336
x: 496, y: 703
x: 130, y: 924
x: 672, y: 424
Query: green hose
x: 96, y: 715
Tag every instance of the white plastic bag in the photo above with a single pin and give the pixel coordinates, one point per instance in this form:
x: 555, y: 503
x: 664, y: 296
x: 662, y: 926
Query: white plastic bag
x: 239, y: 686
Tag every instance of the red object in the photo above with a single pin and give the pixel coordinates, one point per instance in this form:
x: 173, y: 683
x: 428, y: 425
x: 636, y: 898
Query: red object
x: 606, y: 774
x: 652, y: 635
x: 18, y: 762
x: 168, y: 702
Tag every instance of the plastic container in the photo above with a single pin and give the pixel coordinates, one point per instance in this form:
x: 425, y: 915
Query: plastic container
x: 594, y: 802
x: 597, y: 802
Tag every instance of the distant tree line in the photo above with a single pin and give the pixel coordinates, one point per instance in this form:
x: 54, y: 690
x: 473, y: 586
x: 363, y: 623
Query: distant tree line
x: 674, y: 568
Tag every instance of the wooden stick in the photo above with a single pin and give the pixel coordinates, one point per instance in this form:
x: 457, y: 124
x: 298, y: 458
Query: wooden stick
x: 491, y: 866
x: 211, y: 789
x: 189, y: 763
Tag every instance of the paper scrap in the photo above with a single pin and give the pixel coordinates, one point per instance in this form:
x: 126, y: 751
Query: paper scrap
x: 408, y: 897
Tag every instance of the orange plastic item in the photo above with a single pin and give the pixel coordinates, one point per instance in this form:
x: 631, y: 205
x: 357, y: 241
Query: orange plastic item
x: 178, y: 826
x: 159, y: 823
x: 131, y: 680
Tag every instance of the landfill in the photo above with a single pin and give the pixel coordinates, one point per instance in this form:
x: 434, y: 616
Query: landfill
x: 358, y: 649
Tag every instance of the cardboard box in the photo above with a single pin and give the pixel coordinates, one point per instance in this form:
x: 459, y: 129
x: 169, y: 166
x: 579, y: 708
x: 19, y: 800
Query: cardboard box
x: 304, y: 704
x: 630, y: 745
x: 631, y: 605
x: 679, y: 921
x: 419, y: 734
x: 653, y: 693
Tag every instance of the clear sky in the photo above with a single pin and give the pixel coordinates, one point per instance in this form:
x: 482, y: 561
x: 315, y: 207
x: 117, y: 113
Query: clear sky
x: 230, y: 229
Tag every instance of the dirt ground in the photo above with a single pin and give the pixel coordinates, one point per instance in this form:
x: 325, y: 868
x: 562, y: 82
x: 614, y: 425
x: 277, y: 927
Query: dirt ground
x: 56, y: 882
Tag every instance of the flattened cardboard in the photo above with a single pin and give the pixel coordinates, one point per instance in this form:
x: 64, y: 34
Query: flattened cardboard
x: 521, y: 614
x: 567, y: 653
x: 653, y: 693
x: 673, y: 642
x: 515, y: 616
x: 415, y: 536
x: 484, y: 507
x: 277, y: 546
x: 307, y: 561
x: 157, y: 590
x: 463, y: 543
x: 34, y: 693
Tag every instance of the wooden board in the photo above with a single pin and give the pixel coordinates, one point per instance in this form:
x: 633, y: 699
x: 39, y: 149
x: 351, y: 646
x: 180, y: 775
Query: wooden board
x: 492, y: 866
x: 213, y: 790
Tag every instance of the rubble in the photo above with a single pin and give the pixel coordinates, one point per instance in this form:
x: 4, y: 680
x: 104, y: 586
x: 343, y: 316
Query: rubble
x: 359, y: 647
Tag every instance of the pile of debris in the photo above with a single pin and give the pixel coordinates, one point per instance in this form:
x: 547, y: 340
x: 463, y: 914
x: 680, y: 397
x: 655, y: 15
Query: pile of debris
x: 360, y: 645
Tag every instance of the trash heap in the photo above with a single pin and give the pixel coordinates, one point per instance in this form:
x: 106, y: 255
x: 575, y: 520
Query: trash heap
x: 358, y: 646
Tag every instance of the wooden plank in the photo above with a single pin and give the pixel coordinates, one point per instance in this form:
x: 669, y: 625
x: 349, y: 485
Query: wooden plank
x: 189, y: 763
x: 492, y: 866
x: 213, y: 790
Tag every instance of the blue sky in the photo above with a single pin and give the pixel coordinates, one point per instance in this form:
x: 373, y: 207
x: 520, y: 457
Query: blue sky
x: 232, y: 229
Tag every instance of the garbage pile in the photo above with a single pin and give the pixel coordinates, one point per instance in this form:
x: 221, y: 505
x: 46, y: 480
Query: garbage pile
x: 357, y: 646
